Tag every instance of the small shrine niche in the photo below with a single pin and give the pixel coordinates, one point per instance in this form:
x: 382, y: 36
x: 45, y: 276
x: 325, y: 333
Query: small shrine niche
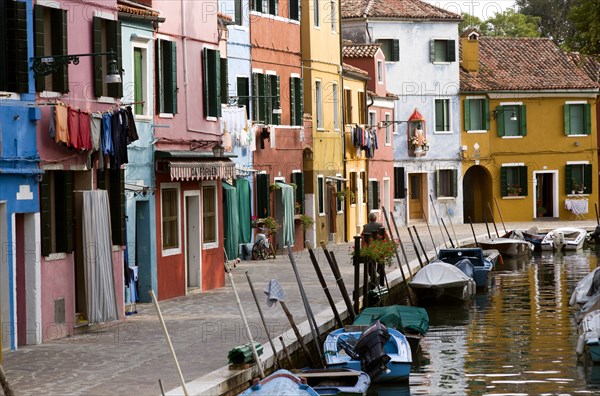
x: 416, y: 131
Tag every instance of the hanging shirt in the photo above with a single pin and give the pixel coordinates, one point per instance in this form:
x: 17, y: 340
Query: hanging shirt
x: 107, y: 143
x: 132, y: 134
x: 73, y: 123
x: 85, y: 132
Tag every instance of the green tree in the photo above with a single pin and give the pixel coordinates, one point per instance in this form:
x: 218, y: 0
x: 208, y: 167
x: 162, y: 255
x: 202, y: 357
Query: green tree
x: 553, y: 17
x: 469, y: 21
x: 511, y: 24
x: 585, y: 19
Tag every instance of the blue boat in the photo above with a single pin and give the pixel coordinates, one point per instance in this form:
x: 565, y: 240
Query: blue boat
x: 382, y: 353
x: 337, y: 381
x: 481, y: 266
x: 281, y: 382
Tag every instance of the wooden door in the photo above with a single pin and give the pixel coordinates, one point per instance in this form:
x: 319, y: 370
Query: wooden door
x: 415, y: 201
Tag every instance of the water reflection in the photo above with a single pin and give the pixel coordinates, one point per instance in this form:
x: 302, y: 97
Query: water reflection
x: 518, y: 338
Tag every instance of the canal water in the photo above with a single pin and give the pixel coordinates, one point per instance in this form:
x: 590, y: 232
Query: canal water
x: 518, y: 338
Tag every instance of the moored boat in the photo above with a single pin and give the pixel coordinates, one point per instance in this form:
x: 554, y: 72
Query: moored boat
x: 336, y: 381
x: 589, y: 337
x: 482, y: 267
x: 572, y: 238
x: 440, y: 281
x: 384, y: 354
x: 508, y: 247
x: 586, y: 288
x: 281, y: 382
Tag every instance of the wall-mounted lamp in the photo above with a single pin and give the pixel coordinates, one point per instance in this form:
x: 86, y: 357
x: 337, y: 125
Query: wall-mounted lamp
x: 218, y: 150
x: 45, y: 65
x: 513, y: 115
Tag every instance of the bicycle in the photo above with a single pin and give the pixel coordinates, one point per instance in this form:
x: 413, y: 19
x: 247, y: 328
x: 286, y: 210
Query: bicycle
x: 261, y: 247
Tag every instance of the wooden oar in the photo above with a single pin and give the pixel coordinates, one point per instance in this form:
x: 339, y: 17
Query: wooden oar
x: 500, y: 213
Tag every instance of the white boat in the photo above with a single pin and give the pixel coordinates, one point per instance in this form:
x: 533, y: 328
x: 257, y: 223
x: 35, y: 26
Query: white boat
x: 589, y: 337
x: 439, y: 281
x: 586, y: 288
x: 572, y: 238
x: 508, y: 247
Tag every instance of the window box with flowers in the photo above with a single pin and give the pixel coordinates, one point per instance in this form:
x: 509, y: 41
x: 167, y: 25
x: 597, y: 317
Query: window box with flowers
x: 514, y: 190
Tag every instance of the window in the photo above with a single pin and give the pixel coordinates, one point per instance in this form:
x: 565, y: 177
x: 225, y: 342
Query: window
x: 224, y: 81
x: 296, y: 101
x: 50, y: 37
x: 339, y: 186
x: 373, y: 193
x: 298, y: 180
x: 321, y: 194
x: 14, y: 62
x: 140, y: 81
x: 442, y: 115
x: 513, y: 180
x: 348, y: 106
x: 477, y: 115
x: 333, y: 17
x: 363, y: 178
x: 391, y: 49
x: 106, y: 37
x: 578, y: 119
x: 275, y: 99
x: 319, y: 104
x: 578, y: 179
x: 266, y: 6
x: 316, y: 13
x: 372, y: 119
x: 212, y: 82
x: 209, y: 214
x: 353, y: 187
x: 263, y: 195
x: 170, y: 217
x: 443, y: 51
x: 113, y: 181
x: 388, y: 129
x: 294, y: 11
x: 238, y: 12
x: 511, y: 120
x: 380, y: 72
x: 446, y: 183
x: 166, y: 77
x: 243, y: 93
x: 399, y: 187
x: 336, y: 107
x: 266, y: 98
x: 362, y: 108
x: 56, y: 212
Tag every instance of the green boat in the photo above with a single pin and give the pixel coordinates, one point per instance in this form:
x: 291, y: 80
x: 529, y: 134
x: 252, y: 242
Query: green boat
x: 413, y: 322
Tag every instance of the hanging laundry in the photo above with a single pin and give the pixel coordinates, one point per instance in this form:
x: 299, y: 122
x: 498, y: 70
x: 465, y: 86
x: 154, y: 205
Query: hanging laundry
x: 132, y: 134
x: 107, y: 142
x: 61, y: 126
x: 375, y: 144
x: 52, y: 126
x: 264, y: 135
x: 251, y: 136
x: 73, y: 125
x: 85, y: 132
x: 96, y: 131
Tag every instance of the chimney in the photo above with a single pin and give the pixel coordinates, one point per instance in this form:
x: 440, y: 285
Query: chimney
x: 469, y: 41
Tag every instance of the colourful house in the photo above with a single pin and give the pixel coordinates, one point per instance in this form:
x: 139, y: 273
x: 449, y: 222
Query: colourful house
x: 529, y: 133
x: 323, y: 168
x: 380, y: 115
x: 278, y: 117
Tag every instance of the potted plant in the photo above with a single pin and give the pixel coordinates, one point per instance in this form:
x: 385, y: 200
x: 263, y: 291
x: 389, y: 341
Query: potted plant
x: 297, y: 208
x: 380, y: 251
x: 576, y: 187
x: 343, y: 194
x: 306, y: 221
x: 275, y: 186
x: 541, y: 211
x: 271, y: 224
x: 513, y: 190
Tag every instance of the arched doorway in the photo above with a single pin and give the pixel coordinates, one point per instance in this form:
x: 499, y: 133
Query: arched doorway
x: 477, y: 192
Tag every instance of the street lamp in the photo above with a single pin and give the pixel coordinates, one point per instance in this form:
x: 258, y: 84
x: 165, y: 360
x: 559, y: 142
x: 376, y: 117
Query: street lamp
x: 45, y: 65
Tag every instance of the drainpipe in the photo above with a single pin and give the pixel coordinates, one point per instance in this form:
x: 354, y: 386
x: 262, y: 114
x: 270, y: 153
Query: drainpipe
x: 343, y: 103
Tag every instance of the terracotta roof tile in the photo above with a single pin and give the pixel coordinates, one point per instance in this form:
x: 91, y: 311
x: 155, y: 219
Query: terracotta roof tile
x: 510, y: 64
x: 136, y: 11
x: 589, y: 64
x: 355, y: 70
x: 225, y: 17
x: 360, y: 50
x: 395, y: 9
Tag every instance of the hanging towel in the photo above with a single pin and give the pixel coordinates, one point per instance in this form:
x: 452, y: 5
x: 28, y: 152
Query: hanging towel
x: 96, y: 131
x: 73, y: 123
x: 274, y: 292
x: 61, y: 126
x: 107, y: 142
x: 85, y: 132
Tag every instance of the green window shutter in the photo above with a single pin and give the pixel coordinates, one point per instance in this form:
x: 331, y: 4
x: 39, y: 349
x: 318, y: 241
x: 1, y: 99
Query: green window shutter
x: 255, y: 96
x: 298, y: 180
x: 376, y: 195
x: 38, y: 35
x: 438, y: 189
x: 432, y: 50
x: 275, y: 98
x: 370, y: 199
x: 486, y: 114
x: 568, y: 175
x: 97, y: 63
x: 451, y: 50
x: 243, y: 92
x: 138, y: 89
x: 17, y: 78
x: 224, y: 82
x: 113, y: 42
x: 587, y: 178
x: 172, y: 77
x: 159, y: 90
x: 262, y: 103
x: 294, y: 10
x: 399, y: 188
x: 293, y: 101
x: 167, y: 76
x: 467, y: 114
x: 45, y: 216
x: 117, y: 206
x: 206, y: 96
x: 587, y: 119
x: 395, y: 51
x: 523, y: 180
x: 522, y: 120
x: 212, y: 83
x: 455, y: 182
x: 503, y: 181
x: 262, y: 195
x: 500, y: 120
x: 567, y: 118
x: 61, y: 78
x: 300, y: 101
x: 216, y: 81
x: 64, y: 211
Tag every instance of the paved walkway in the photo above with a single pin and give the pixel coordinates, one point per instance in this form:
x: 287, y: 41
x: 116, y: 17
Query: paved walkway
x: 130, y: 357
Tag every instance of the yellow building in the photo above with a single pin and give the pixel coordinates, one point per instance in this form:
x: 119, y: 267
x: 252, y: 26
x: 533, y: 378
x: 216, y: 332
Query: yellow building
x: 323, y: 166
x: 355, y: 102
x: 529, y: 137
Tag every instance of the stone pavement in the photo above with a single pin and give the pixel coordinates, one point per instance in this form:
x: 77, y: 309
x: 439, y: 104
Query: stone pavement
x: 131, y: 356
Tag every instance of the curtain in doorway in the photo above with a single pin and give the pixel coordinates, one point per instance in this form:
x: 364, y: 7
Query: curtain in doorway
x: 231, y: 221
x: 243, y: 193
x: 97, y: 258
x: 287, y: 200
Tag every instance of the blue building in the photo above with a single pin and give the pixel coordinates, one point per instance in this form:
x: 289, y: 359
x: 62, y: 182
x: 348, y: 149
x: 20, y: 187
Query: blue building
x: 19, y: 178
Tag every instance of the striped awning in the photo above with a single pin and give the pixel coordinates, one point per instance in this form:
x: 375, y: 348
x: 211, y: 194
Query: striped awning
x: 205, y: 170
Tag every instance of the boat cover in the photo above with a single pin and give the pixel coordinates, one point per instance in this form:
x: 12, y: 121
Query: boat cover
x: 590, y: 329
x: 439, y: 274
x: 586, y: 288
x: 400, y: 317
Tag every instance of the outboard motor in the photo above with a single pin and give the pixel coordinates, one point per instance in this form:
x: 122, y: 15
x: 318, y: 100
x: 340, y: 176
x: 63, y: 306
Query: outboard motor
x: 466, y: 266
x: 595, y: 287
x: 370, y: 348
x: 595, y: 236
